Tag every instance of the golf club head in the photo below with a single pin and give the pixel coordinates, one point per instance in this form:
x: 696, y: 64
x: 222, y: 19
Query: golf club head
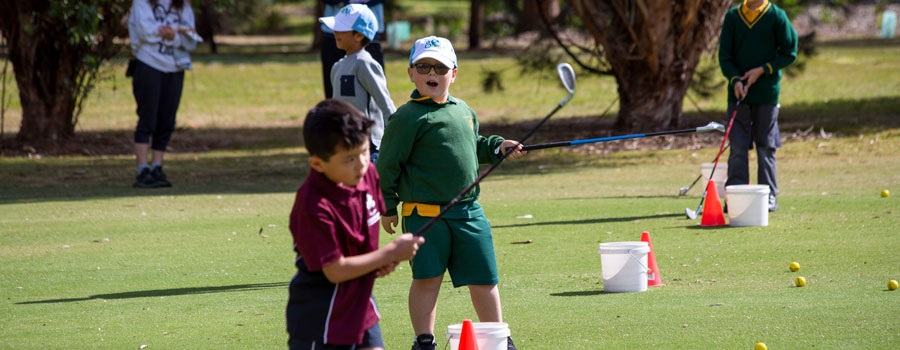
x: 711, y: 126
x: 690, y: 213
x: 683, y: 190
x: 567, y: 76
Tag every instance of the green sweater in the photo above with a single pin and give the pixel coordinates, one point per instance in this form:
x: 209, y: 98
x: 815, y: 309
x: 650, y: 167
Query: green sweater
x: 430, y: 153
x: 769, y: 42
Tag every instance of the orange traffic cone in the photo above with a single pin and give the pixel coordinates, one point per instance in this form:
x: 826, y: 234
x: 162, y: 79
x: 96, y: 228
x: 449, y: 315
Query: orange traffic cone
x: 467, y: 340
x: 653, y: 278
x: 712, y: 208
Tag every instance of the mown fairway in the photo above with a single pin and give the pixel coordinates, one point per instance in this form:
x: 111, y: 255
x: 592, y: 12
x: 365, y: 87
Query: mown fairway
x: 88, y: 262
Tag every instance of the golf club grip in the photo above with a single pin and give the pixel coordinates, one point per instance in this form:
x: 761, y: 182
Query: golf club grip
x: 547, y: 145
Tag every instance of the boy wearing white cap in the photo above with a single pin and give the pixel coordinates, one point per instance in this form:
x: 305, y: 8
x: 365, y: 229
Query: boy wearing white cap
x: 430, y: 153
x: 357, y: 78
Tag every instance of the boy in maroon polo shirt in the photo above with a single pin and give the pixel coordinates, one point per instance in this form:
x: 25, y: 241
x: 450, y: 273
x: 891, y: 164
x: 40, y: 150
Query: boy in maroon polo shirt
x: 335, y: 226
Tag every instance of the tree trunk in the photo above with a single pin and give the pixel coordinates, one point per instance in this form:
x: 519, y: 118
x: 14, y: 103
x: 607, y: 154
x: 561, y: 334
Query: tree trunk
x: 530, y: 17
x: 316, y: 26
x: 643, y: 106
x: 207, y: 22
x: 44, y: 77
x: 476, y: 23
x: 653, y: 47
x: 54, y: 68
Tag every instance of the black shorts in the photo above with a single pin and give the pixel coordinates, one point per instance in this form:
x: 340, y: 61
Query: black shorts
x: 372, y: 338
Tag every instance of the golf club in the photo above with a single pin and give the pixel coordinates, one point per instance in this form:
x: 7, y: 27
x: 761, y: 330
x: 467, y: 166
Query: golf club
x: 567, y: 77
x: 709, y: 127
x: 692, y: 214
x: 684, y: 190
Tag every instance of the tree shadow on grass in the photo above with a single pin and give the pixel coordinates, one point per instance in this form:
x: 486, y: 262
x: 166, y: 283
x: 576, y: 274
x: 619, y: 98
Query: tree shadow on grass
x: 584, y: 293
x: 590, y: 221
x: 165, y: 292
x: 201, y: 161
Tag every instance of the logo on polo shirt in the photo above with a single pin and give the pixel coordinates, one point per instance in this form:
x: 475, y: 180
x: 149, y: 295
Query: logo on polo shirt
x: 372, y: 208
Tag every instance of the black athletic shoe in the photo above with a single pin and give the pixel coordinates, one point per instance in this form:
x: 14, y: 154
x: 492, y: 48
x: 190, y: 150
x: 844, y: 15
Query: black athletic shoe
x: 424, y: 342
x: 509, y: 344
x: 160, y: 177
x: 146, y: 180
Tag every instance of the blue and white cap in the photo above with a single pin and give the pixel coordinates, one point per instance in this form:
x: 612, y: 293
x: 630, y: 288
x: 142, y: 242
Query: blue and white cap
x: 433, y: 47
x: 356, y: 17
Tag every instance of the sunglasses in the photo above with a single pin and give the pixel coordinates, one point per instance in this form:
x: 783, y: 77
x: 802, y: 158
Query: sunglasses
x: 425, y: 68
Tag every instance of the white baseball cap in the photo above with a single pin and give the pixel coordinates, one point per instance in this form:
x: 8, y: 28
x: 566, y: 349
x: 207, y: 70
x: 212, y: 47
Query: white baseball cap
x: 356, y: 17
x: 433, y: 47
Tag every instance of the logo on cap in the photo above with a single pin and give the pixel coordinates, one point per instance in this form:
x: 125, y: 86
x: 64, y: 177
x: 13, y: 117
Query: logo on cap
x: 432, y: 43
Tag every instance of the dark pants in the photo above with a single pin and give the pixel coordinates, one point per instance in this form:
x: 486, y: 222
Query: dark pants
x: 307, y: 313
x: 157, y: 95
x: 330, y: 54
x: 754, y: 125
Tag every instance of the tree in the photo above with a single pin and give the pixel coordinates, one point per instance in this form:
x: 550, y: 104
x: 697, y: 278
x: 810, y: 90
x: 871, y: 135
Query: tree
x: 56, y: 49
x: 476, y: 23
x: 652, y: 48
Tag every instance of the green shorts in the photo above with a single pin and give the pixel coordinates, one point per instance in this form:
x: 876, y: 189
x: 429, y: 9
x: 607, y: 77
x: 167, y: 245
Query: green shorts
x: 462, y: 246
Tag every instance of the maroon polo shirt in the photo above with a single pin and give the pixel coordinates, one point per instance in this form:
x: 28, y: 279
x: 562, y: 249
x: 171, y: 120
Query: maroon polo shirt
x: 329, y: 221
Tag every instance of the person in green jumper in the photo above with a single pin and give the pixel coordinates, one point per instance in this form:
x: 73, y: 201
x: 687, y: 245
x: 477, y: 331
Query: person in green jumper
x: 756, y: 43
x: 430, y: 153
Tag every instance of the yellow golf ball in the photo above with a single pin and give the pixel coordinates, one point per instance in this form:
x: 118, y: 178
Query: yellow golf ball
x: 800, y: 281
x: 892, y: 285
x: 761, y: 346
x: 885, y: 193
x: 795, y: 266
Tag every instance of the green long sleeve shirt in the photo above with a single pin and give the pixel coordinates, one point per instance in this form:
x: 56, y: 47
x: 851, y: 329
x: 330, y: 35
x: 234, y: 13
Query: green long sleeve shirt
x: 768, y: 41
x: 430, y: 153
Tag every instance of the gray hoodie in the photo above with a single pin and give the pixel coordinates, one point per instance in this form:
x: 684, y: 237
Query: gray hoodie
x: 359, y: 80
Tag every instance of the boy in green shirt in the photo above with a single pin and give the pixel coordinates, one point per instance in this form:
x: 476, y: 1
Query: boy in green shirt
x: 430, y: 152
x: 757, y: 41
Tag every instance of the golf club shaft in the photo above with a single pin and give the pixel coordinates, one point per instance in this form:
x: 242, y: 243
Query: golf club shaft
x: 568, y: 80
x: 480, y: 177
x: 607, y: 139
x: 686, y: 189
x: 712, y: 172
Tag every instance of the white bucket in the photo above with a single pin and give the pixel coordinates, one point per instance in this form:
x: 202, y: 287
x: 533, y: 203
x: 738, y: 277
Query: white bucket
x: 488, y: 335
x: 748, y: 205
x: 624, y: 266
x: 719, y: 177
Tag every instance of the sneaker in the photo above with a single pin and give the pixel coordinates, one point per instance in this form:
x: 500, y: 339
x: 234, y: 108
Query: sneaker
x: 160, y: 177
x: 424, y: 342
x: 773, y: 203
x: 509, y: 344
x: 146, y: 180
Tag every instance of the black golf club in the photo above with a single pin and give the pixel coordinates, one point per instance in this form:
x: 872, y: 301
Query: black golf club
x: 684, y: 190
x: 692, y: 214
x: 708, y: 127
x: 567, y: 76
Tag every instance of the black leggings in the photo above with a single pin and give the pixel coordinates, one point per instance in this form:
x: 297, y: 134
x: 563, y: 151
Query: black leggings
x: 157, y: 95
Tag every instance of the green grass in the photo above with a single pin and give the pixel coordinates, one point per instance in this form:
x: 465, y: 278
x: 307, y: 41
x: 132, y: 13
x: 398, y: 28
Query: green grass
x: 850, y: 89
x: 88, y: 262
